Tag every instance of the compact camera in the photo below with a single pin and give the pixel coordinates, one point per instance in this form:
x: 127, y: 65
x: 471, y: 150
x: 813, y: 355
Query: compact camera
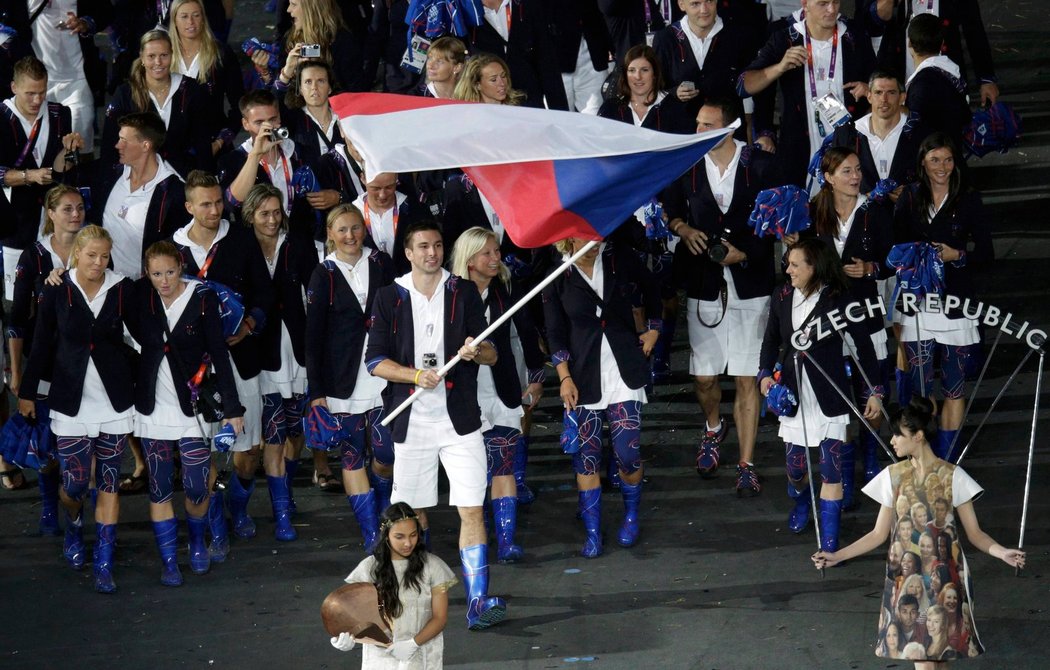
x: 310, y: 51
x: 278, y: 134
x: 430, y: 361
x: 716, y: 248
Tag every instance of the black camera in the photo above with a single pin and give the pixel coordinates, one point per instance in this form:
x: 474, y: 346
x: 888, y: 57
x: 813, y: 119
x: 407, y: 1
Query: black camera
x: 716, y: 248
x: 430, y: 361
x: 278, y: 134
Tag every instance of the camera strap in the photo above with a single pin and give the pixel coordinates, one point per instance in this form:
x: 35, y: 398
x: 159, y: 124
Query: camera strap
x: 723, y: 295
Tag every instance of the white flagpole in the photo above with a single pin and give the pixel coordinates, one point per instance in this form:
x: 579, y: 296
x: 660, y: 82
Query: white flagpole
x: 443, y: 370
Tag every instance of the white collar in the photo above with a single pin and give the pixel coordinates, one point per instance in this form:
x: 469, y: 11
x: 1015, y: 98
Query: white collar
x: 940, y: 62
x: 405, y: 280
x: 109, y: 279
x: 10, y: 102
x: 163, y: 172
x: 715, y: 29
x: 182, y: 235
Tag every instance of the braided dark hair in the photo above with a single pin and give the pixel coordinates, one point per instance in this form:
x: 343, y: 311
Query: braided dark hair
x: 383, y: 573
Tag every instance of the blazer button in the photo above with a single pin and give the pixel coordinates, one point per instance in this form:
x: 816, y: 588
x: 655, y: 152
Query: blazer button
x: 91, y: 346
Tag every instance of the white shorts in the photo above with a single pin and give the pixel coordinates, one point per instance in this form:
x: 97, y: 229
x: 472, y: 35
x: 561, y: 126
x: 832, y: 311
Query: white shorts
x: 733, y: 346
x: 416, y: 465
x: 77, y: 96
x: 11, y: 257
x: 251, y: 399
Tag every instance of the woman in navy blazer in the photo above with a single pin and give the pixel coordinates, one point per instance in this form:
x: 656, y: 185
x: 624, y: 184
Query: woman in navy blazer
x: 165, y: 421
x: 290, y: 260
x: 502, y: 390
x: 79, y: 339
x: 941, y: 210
x: 339, y: 304
x: 804, y: 316
x: 602, y: 368
x: 860, y: 231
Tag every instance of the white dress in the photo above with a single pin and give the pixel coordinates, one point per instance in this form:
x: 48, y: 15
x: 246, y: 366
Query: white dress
x: 415, y: 613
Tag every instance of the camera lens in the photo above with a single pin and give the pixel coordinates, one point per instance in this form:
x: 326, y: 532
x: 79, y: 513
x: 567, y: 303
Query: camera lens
x: 717, y: 252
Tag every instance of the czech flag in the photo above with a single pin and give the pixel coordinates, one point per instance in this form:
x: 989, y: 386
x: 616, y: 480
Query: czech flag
x: 548, y: 174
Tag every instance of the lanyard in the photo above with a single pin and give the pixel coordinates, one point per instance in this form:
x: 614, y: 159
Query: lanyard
x: 648, y: 15
x: 287, y: 175
x: 809, y: 59
x: 203, y: 272
x: 368, y: 220
x: 510, y: 17
x: 30, y: 143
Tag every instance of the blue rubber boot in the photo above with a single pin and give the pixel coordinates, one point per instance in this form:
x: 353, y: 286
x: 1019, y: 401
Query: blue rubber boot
x: 383, y: 487
x: 482, y: 610
x: 871, y: 456
x: 944, y: 445
x: 167, y: 534
x: 632, y: 497
x: 200, y: 559
x: 93, y: 492
x: 290, y: 468
x: 48, y: 483
x: 661, y: 368
x: 849, y: 463
x: 220, y: 538
x: 238, y: 497
x: 505, y: 512
x: 73, y: 545
x: 590, y: 507
x: 830, y: 514
x: 903, y: 387
x: 526, y: 496
x: 800, y: 514
x: 282, y: 516
x: 364, y: 506
x: 105, y: 543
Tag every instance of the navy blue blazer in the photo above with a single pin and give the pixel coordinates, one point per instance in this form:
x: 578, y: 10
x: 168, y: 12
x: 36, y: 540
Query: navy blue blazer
x: 938, y: 99
x: 301, y: 221
x: 391, y: 335
x: 34, y: 265
x: 576, y: 319
x: 726, y: 59
x: 336, y: 326
x: 334, y: 172
x: 669, y: 115
x: 463, y: 210
x: 20, y: 222
x: 961, y: 224
x: 691, y: 200
x: 197, y: 333
x: 296, y: 260
x: 187, y: 142
x: 571, y: 22
x: 246, y: 274
x: 68, y: 335
x: 826, y: 351
x: 858, y: 62
x: 505, y: 371
x: 903, y: 164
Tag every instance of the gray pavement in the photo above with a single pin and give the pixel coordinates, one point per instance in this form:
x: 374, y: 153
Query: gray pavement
x: 715, y: 582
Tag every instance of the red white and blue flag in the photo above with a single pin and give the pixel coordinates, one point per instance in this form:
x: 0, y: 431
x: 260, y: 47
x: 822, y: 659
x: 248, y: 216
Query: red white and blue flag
x: 548, y: 174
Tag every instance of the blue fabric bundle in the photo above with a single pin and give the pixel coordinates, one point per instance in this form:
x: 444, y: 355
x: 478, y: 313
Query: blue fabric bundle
x: 224, y: 439
x: 434, y: 18
x: 251, y: 45
x: 920, y: 270
x: 321, y: 428
x: 231, y: 305
x: 995, y: 128
x: 780, y: 400
x: 655, y: 225
x: 14, y: 440
x: 570, y: 434
x: 882, y: 190
x: 780, y: 211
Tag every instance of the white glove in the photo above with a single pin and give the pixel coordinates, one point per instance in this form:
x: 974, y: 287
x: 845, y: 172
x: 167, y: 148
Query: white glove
x: 404, y: 649
x: 345, y: 642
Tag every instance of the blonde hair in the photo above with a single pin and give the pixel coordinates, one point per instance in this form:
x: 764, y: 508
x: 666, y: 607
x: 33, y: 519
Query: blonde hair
x: 333, y: 215
x: 208, y: 56
x: 564, y: 246
x: 469, y: 244
x: 137, y: 77
x: 89, y: 233
x: 469, y: 85
x: 319, y: 21
x: 51, y: 200
x: 450, y: 46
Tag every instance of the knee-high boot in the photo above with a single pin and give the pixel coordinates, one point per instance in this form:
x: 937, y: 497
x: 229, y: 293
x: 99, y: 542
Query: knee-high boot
x: 830, y: 514
x: 904, y: 387
x: 632, y: 498
x: 871, y: 456
x: 384, y: 487
x: 849, y: 462
x: 364, y: 506
x: 944, y: 444
x: 505, y: 514
x: 200, y: 559
x: 282, y: 516
x: 800, y: 514
x: 238, y: 497
x: 526, y: 496
x: 73, y: 545
x: 483, y: 610
x: 167, y: 535
x: 105, y: 543
x: 220, y: 539
x: 291, y: 466
x: 590, y: 507
x: 48, y: 482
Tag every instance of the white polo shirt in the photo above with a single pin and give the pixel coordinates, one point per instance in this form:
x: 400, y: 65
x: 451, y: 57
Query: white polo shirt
x: 882, y: 150
x: 125, y: 218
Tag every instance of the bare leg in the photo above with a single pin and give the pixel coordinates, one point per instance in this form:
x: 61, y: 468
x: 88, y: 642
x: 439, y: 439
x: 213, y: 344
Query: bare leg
x: 745, y: 415
x: 709, y: 395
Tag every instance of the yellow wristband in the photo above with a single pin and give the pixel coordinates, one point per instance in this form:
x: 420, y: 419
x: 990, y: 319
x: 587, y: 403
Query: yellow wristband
x: 416, y: 379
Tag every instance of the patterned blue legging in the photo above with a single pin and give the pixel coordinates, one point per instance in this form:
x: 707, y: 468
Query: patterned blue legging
x: 625, y: 427
x: 160, y: 463
x: 830, y: 461
x: 353, y: 431
x: 954, y: 360
x: 75, y: 454
x: 501, y: 442
x: 282, y: 417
